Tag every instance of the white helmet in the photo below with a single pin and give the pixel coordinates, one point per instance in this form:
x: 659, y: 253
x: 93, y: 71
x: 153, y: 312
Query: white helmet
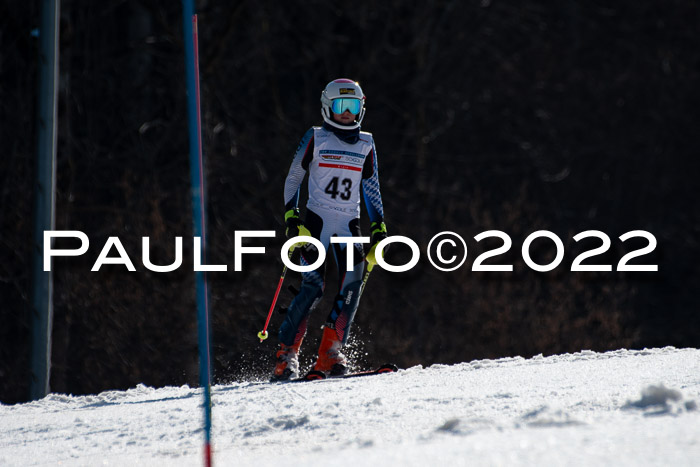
x: 347, y: 95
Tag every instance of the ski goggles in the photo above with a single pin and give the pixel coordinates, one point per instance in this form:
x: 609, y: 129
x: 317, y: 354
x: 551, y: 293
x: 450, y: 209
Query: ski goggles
x: 338, y: 106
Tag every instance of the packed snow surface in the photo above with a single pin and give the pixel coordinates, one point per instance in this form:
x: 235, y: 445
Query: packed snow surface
x: 616, y: 408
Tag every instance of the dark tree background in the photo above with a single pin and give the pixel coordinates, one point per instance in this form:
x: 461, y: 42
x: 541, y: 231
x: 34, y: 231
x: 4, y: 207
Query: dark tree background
x: 508, y: 115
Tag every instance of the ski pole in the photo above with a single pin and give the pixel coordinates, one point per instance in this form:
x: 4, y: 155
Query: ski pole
x: 365, y: 277
x: 262, y: 335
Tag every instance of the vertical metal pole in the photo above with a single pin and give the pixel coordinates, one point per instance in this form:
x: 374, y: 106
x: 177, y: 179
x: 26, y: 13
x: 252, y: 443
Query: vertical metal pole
x: 44, y: 200
x: 198, y: 211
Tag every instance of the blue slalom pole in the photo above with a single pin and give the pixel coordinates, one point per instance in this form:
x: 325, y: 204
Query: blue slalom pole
x: 198, y: 213
x: 44, y: 199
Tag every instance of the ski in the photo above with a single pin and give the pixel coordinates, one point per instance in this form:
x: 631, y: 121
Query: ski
x: 319, y: 375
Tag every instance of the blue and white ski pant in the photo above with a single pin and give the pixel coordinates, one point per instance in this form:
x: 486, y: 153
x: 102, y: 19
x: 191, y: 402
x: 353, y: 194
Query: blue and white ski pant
x: 324, y: 224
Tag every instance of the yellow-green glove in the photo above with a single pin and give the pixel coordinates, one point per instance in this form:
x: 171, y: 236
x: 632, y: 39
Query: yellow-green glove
x: 295, y: 227
x: 378, y: 230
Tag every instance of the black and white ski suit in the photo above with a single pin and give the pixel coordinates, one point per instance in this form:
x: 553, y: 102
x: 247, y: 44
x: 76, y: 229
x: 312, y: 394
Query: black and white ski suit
x: 341, y: 167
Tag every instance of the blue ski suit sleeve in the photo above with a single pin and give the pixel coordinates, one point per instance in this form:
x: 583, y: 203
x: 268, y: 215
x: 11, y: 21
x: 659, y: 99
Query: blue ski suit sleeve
x: 298, y: 169
x: 370, y: 187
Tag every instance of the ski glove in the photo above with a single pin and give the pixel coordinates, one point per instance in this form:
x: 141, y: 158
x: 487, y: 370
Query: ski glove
x: 378, y: 230
x: 295, y: 227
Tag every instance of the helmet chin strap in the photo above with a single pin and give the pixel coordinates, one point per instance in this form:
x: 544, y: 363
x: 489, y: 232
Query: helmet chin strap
x: 356, y: 124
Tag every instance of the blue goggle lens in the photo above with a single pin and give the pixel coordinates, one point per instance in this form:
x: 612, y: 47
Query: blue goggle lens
x: 341, y: 105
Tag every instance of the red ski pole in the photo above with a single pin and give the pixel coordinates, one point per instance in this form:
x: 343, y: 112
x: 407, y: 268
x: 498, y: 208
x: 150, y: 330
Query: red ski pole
x: 262, y: 335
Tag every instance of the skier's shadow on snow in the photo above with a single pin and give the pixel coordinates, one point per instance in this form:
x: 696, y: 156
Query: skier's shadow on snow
x: 107, y: 403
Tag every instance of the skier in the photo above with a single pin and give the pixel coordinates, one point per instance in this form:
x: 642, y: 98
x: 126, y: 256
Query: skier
x: 341, y: 162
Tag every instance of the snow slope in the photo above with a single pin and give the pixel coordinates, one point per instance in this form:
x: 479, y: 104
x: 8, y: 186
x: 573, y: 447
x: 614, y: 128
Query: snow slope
x: 615, y: 408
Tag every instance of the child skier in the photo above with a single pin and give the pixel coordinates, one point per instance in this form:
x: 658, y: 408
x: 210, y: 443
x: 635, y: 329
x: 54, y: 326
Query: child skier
x: 341, y: 162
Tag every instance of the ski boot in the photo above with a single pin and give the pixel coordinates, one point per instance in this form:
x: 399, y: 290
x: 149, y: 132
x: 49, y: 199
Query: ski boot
x: 287, y: 366
x: 330, y: 360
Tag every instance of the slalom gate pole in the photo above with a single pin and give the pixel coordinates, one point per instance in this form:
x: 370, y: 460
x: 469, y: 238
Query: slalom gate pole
x: 44, y: 199
x: 262, y: 335
x: 198, y: 211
